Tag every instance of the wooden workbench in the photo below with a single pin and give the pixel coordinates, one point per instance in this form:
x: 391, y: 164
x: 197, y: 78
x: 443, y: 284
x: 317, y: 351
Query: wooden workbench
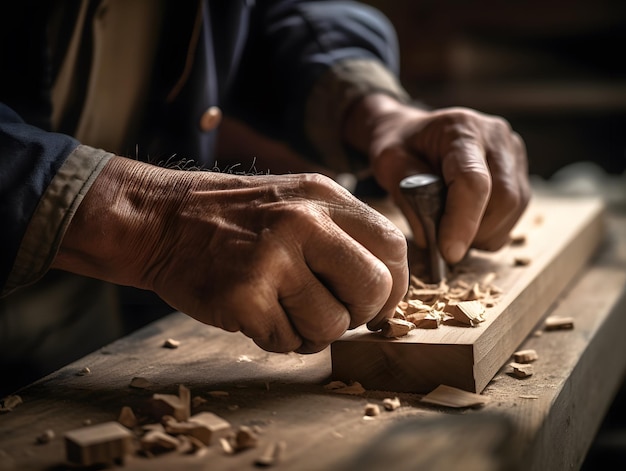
x: 546, y: 421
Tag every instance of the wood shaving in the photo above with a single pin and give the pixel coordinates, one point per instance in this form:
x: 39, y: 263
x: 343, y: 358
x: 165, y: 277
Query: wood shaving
x: 335, y: 385
x: 197, y: 401
x: 243, y: 439
x: 140, y: 383
x: 171, y: 343
x: 226, y: 446
x: 46, y: 436
x: 391, y: 403
x: 427, y: 321
x: 371, y: 410
x: 525, y: 356
x: 518, y: 239
x: 272, y: 454
x: 559, y: 323
x: 83, y: 371
x: 468, y: 312
x: 448, y: 396
x: 340, y: 387
x: 168, y: 404
x: 521, y: 370
x: 127, y: 417
x: 396, y: 328
x: 10, y: 402
x: 427, y: 306
x: 156, y: 441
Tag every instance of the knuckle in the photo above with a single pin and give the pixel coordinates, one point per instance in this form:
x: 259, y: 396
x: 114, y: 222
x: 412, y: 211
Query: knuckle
x: 502, y: 125
x: 492, y: 244
x: 317, y: 184
x: 374, y: 292
x: 508, y: 197
x: 311, y: 347
x: 478, y: 181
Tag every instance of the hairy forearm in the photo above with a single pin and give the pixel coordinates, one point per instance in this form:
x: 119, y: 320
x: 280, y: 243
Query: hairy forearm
x: 292, y: 260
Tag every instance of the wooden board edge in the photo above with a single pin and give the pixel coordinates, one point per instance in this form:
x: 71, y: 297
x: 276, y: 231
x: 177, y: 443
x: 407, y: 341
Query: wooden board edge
x: 386, y: 374
x: 559, y: 272
x: 562, y: 271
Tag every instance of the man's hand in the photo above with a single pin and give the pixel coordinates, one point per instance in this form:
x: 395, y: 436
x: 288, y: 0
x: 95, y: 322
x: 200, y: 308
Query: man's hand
x: 482, y: 161
x: 291, y: 261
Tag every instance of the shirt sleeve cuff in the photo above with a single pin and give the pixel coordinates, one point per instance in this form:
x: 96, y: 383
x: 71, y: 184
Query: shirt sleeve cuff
x: 331, y: 97
x: 53, y: 215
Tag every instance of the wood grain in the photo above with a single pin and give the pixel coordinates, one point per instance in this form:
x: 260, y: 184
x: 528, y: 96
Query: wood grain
x: 546, y: 421
x: 561, y: 236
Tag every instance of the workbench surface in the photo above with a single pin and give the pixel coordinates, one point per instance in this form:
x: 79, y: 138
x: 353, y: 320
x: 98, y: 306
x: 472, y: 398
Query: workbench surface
x: 546, y: 421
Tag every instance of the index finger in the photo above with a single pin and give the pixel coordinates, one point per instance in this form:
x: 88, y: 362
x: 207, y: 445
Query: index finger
x: 385, y: 241
x: 468, y: 179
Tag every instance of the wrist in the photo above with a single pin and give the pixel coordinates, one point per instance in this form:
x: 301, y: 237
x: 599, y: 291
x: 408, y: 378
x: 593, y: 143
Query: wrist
x: 120, y: 221
x: 367, y: 121
x: 361, y: 118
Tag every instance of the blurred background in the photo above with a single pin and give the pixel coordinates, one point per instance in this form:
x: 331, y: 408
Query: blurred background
x: 556, y: 69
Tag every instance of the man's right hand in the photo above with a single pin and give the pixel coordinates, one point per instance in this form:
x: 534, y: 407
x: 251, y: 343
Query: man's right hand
x: 292, y: 261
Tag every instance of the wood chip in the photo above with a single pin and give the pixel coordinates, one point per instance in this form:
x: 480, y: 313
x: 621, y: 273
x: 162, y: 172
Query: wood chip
x: 98, y: 444
x: 218, y: 393
x: 396, y: 328
x: 156, y: 441
x: 46, y: 436
x: 371, y: 410
x: 127, y: 417
x: 171, y: 343
x: 468, y: 312
x: 528, y: 396
x: 83, y: 371
x: 140, y: 383
x: 197, y: 401
x: 518, y: 239
x: 399, y: 313
x: 243, y: 439
x: 423, y: 298
x: 272, y: 455
x: 559, y: 323
x: 168, y: 404
x: 354, y: 389
x: 525, y: 356
x: 335, y: 385
x: 521, y: 370
x: 206, y: 427
x: 448, y: 396
x: 426, y: 320
x: 226, y: 446
x: 210, y: 428
x: 10, y: 402
x: 521, y: 261
x: 391, y: 403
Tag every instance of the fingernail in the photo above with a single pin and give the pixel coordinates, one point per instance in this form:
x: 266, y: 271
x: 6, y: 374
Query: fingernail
x: 455, y: 252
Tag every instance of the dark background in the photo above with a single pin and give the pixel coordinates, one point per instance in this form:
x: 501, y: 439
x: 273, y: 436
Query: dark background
x: 555, y: 69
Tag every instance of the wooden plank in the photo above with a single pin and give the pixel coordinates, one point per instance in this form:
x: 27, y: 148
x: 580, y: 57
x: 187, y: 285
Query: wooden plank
x: 558, y: 408
x: 561, y: 236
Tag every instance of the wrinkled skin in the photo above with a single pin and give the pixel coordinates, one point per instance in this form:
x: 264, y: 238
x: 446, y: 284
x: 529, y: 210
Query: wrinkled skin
x: 291, y: 261
x: 481, y: 159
